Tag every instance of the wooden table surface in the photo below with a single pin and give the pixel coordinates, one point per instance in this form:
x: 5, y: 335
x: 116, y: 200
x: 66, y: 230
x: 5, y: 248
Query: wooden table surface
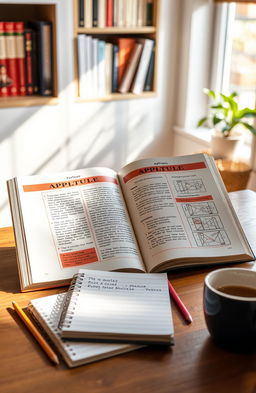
x: 195, y: 364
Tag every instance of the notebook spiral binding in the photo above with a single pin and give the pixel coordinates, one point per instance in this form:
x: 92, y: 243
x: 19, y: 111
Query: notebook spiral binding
x: 70, y: 301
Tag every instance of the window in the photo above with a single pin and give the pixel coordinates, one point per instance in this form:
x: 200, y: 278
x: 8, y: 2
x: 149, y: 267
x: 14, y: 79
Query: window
x: 237, y: 56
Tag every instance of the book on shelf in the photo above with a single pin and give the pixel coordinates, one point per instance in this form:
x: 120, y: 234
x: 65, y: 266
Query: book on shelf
x: 102, y: 14
x: 43, y: 31
x: 108, y: 68
x: 4, y: 79
x: 20, y: 57
x: 118, y: 13
x: 148, y: 86
x: 81, y: 13
x: 141, y: 73
x: 153, y: 215
x: 28, y: 44
x: 149, y: 12
x: 46, y: 311
x: 109, y: 13
x: 130, y: 69
x: 26, y: 58
x: 114, y: 68
x: 114, y: 306
x: 11, y: 61
x: 131, y: 62
x: 125, y: 48
x: 95, y: 13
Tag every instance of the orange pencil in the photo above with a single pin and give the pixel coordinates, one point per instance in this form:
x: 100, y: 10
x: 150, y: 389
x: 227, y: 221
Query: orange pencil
x: 39, y: 338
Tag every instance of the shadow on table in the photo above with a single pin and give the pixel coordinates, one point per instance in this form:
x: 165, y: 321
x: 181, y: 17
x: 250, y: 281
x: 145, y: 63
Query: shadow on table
x: 235, y: 368
x: 8, y: 270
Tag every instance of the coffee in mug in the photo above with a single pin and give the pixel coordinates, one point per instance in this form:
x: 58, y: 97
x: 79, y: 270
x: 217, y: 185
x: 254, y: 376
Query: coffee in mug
x: 230, y: 307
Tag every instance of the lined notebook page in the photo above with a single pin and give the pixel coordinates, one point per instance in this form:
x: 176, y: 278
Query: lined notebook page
x: 47, y: 312
x: 111, y: 303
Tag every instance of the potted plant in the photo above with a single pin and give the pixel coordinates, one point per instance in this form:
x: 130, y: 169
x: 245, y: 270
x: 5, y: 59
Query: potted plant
x: 227, y: 120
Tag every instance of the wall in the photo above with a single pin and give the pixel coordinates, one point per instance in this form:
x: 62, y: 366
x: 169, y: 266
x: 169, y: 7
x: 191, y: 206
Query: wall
x: 74, y: 135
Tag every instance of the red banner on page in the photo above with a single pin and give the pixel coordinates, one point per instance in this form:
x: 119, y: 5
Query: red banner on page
x: 195, y: 199
x: 164, y: 168
x: 69, y: 183
x: 78, y: 258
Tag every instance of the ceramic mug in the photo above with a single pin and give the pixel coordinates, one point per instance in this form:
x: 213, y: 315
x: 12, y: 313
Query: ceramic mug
x: 231, y: 318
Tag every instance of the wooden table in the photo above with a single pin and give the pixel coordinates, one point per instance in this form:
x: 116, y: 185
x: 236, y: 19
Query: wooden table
x: 195, y: 364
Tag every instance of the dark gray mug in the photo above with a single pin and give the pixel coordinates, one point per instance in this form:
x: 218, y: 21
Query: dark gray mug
x: 230, y: 319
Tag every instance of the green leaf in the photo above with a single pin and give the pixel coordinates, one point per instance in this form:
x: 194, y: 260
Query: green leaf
x: 246, y: 112
x: 224, y: 97
x: 218, y: 106
x: 234, y: 94
x: 210, y: 93
x: 216, y: 119
x: 249, y: 127
x: 201, y: 121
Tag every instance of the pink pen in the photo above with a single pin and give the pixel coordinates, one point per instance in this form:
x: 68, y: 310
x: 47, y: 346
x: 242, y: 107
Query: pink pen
x: 179, y: 303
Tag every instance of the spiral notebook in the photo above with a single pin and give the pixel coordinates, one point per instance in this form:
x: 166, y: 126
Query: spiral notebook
x: 128, y: 307
x: 47, y: 310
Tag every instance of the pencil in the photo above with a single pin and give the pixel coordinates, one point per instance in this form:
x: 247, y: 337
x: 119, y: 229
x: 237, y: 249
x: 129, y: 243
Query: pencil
x: 39, y: 338
x: 182, y: 308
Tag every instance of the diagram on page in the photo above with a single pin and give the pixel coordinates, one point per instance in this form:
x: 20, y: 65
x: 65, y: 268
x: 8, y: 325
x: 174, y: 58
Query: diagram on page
x: 189, y: 186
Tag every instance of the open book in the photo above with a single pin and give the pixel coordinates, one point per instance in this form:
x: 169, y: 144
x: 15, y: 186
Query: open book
x: 114, y: 306
x: 153, y: 215
x: 47, y: 311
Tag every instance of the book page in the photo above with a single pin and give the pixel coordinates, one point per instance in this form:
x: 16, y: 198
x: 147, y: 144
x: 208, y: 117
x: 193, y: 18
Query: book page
x: 76, y: 219
x: 47, y: 311
x: 117, y: 305
x: 179, y: 210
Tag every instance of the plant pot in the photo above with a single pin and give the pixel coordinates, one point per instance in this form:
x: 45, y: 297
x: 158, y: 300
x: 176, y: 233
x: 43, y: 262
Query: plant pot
x: 225, y: 148
x: 234, y: 174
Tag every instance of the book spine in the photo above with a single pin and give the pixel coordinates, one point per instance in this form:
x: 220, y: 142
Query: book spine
x: 11, y: 62
x: 121, y: 13
x: 101, y: 13
x: 3, y: 65
x: 95, y: 13
x: 140, y: 77
x: 114, y: 68
x: 134, y: 13
x: 149, y: 13
x: 140, y: 13
x: 88, y: 13
x: 35, y: 71
x: 81, y: 13
x: 130, y: 69
x: 115, y: 13
x: 109, y: 18
x: 108, y: 69
x: 125, y: 48
x: 28, y: 62
x: 44, y: 54
x: 20, y: 53
x: 94, y: 56
x: 149, y: 77
x: 81, y: 64
x: 101, y: 68
x: 89, y: 66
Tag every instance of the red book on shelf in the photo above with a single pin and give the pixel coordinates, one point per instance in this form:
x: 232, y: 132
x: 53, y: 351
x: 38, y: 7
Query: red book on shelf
x: 125, y: 48
x: 3, y: 66
x: 28, y: 62
x: 11, y: 62
x: 109, y: 21
x: 20, y: 57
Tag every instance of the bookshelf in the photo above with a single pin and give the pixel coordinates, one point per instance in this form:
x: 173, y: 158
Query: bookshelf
x: 32, y: 12
x: 110, y: 34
